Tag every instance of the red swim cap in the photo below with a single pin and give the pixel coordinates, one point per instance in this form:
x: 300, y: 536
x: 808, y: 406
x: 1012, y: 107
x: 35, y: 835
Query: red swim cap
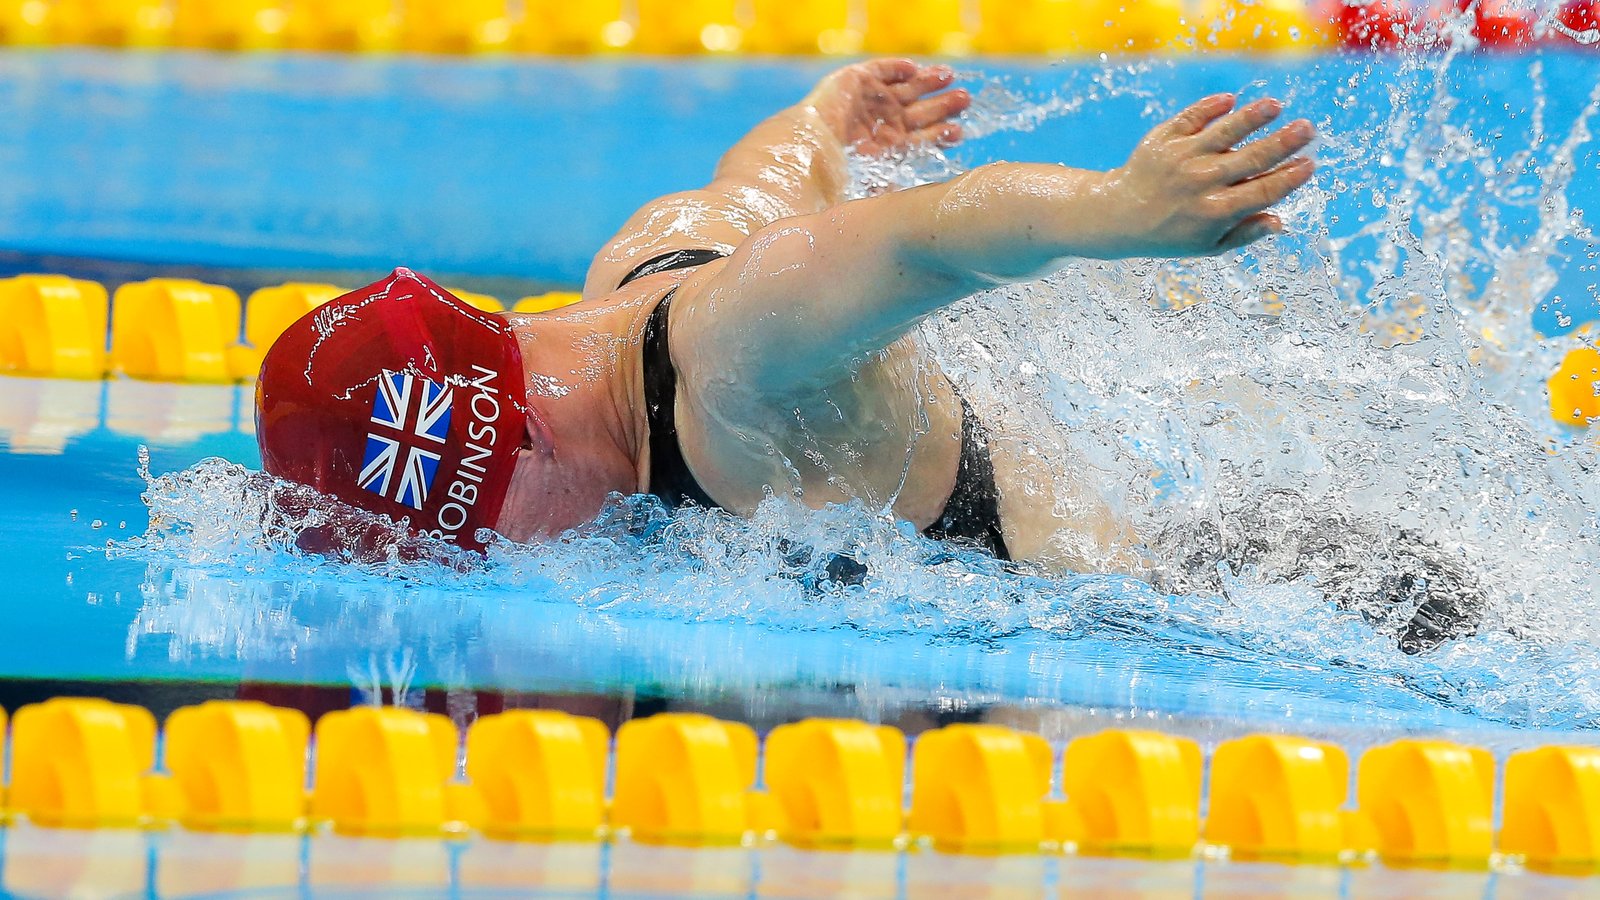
x: 397, y: 399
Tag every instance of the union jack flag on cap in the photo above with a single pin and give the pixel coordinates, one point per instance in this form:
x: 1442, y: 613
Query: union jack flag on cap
x: 398, y: 399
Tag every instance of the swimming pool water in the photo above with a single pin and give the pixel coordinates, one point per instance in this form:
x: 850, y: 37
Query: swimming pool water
x: 93, y: 616
x: 325, y: 162
x: 312, y: 163
x: 137, y: 616
x: 505, y: 168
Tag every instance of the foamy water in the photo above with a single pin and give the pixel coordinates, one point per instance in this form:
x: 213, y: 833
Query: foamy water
x: 1303, y: 435
x: 1341, y: 406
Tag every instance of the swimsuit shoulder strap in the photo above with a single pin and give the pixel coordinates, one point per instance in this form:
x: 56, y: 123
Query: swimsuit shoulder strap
x: 666, y: 262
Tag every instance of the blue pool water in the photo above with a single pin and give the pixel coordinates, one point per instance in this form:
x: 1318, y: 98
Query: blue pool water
x: 239, y: 614
x: 310, y: 163
x: 302, y: 161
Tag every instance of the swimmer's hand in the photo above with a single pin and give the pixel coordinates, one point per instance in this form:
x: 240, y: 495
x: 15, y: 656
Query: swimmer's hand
x: 1187, y: 191
x: 883, y: 105
x: 819, y: 294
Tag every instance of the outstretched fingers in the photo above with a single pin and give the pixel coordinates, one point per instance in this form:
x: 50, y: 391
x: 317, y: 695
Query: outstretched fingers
x: 947, y: 134
x: 1248, y: 198
x: 1227, y: 131
x: 1199, y: 114
x: 937, y: 108
x: 924, y: 81
x: 1253, y: 228
x: 892, y: 70
x: 1256, y: 176
x: 1262, y: 156
x: 1198, y: 193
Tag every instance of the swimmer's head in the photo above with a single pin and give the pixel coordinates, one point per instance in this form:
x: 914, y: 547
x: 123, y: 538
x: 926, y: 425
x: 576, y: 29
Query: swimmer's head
x: 401, y: 400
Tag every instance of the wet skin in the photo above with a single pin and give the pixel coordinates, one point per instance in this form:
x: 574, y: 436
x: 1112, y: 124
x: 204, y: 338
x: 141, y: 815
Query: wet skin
x: 799, y: 370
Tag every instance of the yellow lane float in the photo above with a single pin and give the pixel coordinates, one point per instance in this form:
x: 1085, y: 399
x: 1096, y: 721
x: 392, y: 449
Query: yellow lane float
x: 838, y: 782
x: 174, y: 329
x: 85, y: 763
x: 53, y: 326
x: 238, y: 766
x: 390, y: 772
x: 935, y: 27
x: 685, y: 778
x: 1134, y: 791
x: 980, y: 788
x: 344, y: 25
x: 1278, y: 797
x: 689, y: 26
x: 564, y: 27
x: 1552, y: 809
x: 804, y: 26
x: 456, y: 26
x: 1430, y: 802
x: 111, y: 23
x: 232, y: 25
x: 1575, y: 388
x: 541, y: 773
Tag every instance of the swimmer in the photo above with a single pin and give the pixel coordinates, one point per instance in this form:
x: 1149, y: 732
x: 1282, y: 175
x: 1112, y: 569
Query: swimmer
x: 757, y: 337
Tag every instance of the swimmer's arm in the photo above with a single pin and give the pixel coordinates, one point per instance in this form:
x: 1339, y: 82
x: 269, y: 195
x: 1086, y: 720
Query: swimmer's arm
x: 792, y: 163
x: 1185, y: 191
x: 783, y: 167
x: 876, y: 107
x: 809, y: 296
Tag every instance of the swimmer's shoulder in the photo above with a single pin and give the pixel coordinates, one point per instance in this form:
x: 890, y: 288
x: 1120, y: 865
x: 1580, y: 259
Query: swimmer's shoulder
x: 623, y: 310
x: 610, y: 312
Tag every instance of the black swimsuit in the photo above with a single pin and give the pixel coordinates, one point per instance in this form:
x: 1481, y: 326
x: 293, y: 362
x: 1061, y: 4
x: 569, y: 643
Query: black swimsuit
x: 970, y: 516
